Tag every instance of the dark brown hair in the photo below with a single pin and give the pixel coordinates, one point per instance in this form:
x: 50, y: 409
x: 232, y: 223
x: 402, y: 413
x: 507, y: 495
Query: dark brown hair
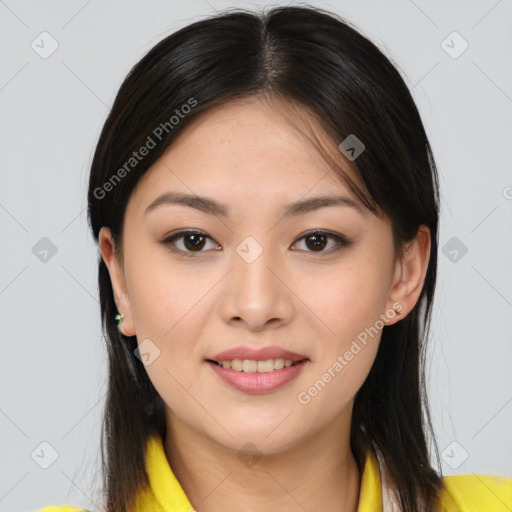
x: 316, y: 61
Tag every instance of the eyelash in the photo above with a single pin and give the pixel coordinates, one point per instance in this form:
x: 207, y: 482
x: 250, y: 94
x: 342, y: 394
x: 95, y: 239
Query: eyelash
x: 337, y: 237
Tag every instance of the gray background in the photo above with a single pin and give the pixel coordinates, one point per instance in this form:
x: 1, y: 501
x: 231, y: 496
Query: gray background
x: 52, y: 110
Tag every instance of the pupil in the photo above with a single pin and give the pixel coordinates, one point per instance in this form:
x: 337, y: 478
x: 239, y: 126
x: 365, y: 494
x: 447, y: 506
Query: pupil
x: 197, y: 244
x: 318, y: 243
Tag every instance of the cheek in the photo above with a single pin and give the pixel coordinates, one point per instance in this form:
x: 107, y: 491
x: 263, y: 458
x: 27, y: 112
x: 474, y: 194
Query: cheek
x: 348, y: 306
x: 165, y: 300
x: 348, y: 299
x: 350, y: 303
x: 169, y: 307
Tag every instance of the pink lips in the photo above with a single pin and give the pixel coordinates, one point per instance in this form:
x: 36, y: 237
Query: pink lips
x: 255, y: 382
x: 271, y: 352
x: 258, y: 382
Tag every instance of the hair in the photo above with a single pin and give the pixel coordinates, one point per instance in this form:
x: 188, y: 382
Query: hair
x: 316, y: 62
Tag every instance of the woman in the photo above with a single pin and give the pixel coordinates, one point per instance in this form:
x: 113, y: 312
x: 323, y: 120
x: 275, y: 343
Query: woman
x: 265, y: 202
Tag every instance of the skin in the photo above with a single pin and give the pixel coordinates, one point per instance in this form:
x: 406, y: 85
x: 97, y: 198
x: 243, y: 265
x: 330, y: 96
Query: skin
x: 247, y: 156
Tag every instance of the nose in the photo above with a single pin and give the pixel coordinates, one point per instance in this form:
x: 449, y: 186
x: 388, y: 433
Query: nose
x: 257, y: 293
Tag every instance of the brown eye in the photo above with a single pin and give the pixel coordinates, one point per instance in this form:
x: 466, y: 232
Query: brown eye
x: 192, y: 241
x: 316, y: 241
x: 195, y: 241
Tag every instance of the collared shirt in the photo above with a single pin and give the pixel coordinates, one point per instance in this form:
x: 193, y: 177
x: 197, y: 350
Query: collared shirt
x: 462, y: 493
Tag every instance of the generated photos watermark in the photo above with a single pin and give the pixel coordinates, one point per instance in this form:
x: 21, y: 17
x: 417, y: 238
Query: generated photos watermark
x: 304, y: 397
x: 137, y: 156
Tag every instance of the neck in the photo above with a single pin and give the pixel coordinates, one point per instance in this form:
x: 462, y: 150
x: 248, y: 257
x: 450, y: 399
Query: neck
x: 319, y: 474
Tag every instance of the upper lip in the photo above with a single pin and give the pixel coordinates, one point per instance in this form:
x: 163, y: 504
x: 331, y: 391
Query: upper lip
x: 260, y: 354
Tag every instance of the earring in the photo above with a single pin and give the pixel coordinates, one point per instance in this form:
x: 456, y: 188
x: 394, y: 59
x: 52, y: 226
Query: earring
x: 119, y: 319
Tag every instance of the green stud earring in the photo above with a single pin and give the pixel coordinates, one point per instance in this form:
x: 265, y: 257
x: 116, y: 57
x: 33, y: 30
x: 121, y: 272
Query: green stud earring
x: 119, y: 319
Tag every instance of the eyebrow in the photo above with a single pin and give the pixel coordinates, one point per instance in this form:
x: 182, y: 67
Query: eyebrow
x: 213, y: 207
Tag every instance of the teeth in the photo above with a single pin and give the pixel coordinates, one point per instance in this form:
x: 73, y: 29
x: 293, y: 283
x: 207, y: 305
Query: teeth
x: 252, y: 366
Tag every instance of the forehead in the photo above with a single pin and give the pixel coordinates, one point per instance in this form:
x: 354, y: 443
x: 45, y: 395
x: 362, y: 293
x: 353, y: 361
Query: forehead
x: 247, y: 149
x: 262, y: 129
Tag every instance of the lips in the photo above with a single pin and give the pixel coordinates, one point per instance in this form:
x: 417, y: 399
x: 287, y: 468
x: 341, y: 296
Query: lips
x: 261, y: 354
x: 256, y: 382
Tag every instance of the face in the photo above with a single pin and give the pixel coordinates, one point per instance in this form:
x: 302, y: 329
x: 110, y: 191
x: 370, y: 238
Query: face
x: 318, y: 282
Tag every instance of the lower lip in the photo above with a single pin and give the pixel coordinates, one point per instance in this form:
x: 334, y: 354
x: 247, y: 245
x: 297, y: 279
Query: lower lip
x: 255, y: 382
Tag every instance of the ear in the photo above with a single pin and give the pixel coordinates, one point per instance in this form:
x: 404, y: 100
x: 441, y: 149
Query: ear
x: 409, y: 275
x: 115, y: 268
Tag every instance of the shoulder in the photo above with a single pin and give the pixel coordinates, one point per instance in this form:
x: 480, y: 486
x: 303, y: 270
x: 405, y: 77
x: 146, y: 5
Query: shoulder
x: 61, y: 508
x: 474, y: 493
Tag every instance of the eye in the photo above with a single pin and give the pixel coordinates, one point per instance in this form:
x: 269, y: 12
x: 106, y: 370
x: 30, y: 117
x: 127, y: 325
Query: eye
x: 193, y: 241
x: 317, y: 241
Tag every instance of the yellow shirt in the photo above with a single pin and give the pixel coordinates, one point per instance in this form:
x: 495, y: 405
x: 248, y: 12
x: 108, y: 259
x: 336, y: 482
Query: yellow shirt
x: 463, y: 493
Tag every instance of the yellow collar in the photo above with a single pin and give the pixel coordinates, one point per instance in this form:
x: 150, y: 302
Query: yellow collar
x: 165, y: 493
